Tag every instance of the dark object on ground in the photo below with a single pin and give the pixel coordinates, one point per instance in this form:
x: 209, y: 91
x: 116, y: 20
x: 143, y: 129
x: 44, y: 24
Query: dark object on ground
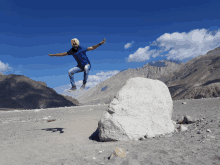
x: 51, y: 120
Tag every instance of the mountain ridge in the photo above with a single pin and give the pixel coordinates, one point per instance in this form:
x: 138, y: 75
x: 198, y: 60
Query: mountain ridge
x: 116, y: 82
x: 181, y: 79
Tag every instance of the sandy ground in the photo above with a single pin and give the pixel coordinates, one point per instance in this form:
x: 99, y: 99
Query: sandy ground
x: 28, y: 138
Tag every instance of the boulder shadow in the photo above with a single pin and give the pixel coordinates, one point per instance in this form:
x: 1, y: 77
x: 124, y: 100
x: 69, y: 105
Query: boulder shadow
x: 54, y: 129
x: 95, y: 136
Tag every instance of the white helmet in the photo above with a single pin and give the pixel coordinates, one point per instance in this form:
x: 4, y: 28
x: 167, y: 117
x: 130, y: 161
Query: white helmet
x: 76, y: 40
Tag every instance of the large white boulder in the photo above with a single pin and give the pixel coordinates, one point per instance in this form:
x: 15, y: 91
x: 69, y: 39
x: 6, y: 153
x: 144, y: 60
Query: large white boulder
x: 142, y: 107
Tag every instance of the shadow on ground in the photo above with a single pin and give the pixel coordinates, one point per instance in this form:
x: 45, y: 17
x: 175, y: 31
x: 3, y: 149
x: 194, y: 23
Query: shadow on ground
x: 54, y: 129
x: 95, y: 136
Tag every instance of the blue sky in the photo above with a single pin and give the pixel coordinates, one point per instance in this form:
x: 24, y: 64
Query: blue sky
x: 136, y: 32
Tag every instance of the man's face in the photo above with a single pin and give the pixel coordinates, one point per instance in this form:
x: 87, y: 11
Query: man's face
x: 75, y: 45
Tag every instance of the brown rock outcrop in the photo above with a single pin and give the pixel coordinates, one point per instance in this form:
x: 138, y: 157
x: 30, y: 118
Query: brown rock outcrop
x: 18, y: 91
x: 198, y: 78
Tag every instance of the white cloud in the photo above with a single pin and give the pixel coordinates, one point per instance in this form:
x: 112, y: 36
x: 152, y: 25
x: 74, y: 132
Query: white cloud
x: 4, y: 67
x: 93, y: 80
x: 179, y: 46
x: 141, y: 54
x: 128, y: 45
x: 10, y: 70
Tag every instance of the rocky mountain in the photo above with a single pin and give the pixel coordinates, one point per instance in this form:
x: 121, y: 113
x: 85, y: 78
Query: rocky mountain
x: 106, y: 90
x: 197, y: 78
x: 21, y: 92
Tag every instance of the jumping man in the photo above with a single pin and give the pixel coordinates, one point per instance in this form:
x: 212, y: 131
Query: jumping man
x: 79, y: 53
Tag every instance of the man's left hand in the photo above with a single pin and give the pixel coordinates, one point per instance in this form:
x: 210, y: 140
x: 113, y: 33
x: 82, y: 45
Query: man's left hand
x: 103, y: 41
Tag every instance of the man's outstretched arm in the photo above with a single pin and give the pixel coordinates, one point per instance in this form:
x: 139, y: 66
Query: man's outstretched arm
x: 59, y: 54
x: 96, y: 46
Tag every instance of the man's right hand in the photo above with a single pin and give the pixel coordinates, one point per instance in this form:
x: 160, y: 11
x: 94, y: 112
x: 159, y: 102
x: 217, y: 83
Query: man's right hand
x: 50, y: 55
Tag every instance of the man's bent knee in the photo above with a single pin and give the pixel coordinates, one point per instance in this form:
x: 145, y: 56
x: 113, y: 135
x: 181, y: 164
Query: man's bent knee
x: 86, y: 67
x: 70, y: 73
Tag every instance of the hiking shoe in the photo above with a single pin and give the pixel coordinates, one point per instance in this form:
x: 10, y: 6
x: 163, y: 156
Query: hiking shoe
x: 72, y: 89
x: 83, y: 86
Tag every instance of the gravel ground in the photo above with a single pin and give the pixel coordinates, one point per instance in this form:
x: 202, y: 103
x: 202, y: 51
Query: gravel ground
x: 28, y: 138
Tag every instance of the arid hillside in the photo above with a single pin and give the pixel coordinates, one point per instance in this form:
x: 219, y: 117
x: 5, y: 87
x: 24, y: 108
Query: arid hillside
x: 21, y: 92
x: 199, y: 78
x: 106, y: 90
x: 195, y: 79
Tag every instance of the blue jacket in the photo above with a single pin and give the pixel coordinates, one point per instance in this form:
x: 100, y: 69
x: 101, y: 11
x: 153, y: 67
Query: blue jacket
x: 80, y: 56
